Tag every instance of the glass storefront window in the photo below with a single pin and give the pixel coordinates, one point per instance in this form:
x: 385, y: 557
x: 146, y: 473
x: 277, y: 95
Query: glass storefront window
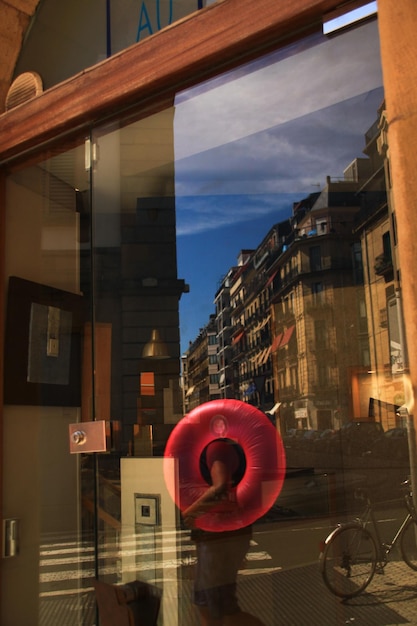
x: 237, y: 246
x: 47, y: 240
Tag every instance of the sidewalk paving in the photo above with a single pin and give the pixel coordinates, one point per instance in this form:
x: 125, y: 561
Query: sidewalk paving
x: 298, y: 597
x: 293, y: 597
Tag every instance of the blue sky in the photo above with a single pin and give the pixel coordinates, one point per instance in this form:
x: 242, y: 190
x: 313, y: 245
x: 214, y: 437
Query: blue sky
x: 251, y: 142
x: 205, y: 257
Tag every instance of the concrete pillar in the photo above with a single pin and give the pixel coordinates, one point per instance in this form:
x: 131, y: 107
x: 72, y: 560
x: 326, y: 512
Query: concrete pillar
x: 397, y: 25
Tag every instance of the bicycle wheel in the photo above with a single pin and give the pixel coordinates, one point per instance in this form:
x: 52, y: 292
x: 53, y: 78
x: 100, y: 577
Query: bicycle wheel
x: 408, y: 544
x: 348, y: 560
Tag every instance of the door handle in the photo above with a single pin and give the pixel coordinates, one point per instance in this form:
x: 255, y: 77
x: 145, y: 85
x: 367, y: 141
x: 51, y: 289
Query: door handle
x: 87, y: 437
x: 79, y: 437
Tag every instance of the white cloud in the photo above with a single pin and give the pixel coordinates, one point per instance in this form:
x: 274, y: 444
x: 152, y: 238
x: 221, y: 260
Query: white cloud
x: 311, y: 80
x: 254, y: 142
x: 198, y: 214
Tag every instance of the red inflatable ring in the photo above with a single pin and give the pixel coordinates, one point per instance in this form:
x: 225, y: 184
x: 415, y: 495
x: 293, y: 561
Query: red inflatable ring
x: 264, y: 470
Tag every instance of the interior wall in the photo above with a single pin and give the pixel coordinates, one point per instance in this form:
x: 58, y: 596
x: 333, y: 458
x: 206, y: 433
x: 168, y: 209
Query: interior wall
x: 145, y: 477
x: 40, y: 485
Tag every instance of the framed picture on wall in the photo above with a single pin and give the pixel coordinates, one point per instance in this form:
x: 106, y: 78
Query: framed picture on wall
x: 42, y: 356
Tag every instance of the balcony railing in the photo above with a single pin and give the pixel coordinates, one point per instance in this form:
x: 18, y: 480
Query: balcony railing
x: 372, y: 132
x: 286, y: 317
x: 318, y: 304
x: 319, y: 346
x: 288, y: 393
x: 383, y: 265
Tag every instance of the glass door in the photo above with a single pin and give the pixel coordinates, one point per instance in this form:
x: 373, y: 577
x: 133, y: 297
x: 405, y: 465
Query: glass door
x: 283, y: 194
x: 137, y: 369
x: 49, y: 546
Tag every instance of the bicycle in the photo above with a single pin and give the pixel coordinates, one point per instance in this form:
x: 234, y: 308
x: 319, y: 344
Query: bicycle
x: 351, y: 554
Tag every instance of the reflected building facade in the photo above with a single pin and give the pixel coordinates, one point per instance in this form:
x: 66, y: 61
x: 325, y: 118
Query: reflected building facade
x: 251, y: 293
x: 200, y: 368
x: 315, y: 338
x: 312, y: 316
x: 383, y: 382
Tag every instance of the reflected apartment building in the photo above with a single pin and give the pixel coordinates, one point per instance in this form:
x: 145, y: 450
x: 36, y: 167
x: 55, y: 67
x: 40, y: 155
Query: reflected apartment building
x: 310, y: 321
x: 315, y: 334
x: 382, y: 383
x: 224, y: 331
x: 250, y: 298
x: 200, y: 368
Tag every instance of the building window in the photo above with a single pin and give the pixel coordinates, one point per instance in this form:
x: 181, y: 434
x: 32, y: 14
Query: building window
x: 320, y: 332
x: 317, y: 290
x: 294, y: 377
x: 394, y: 228
x: 315, y: 258
x: 322, y: 374
x: 357, y: 263
x: 386, y: 245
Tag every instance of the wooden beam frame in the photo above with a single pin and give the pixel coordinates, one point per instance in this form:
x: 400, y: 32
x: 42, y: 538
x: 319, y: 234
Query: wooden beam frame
x: 198, y: 46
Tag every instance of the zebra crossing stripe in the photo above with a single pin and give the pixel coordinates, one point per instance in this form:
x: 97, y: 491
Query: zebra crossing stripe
x: 59, y: 561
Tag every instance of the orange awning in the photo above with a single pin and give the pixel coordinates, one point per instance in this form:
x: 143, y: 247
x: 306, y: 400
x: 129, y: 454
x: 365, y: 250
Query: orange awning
x: 287, y: 336
x: 271, y: 278
x: 276, y: 342
x: 238, y: 337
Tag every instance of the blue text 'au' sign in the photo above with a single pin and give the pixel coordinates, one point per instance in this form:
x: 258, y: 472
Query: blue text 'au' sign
x: 153, y: 17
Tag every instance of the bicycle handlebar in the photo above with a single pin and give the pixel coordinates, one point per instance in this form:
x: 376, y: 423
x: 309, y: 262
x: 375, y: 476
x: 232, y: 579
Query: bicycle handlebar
x: 361, y: 493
